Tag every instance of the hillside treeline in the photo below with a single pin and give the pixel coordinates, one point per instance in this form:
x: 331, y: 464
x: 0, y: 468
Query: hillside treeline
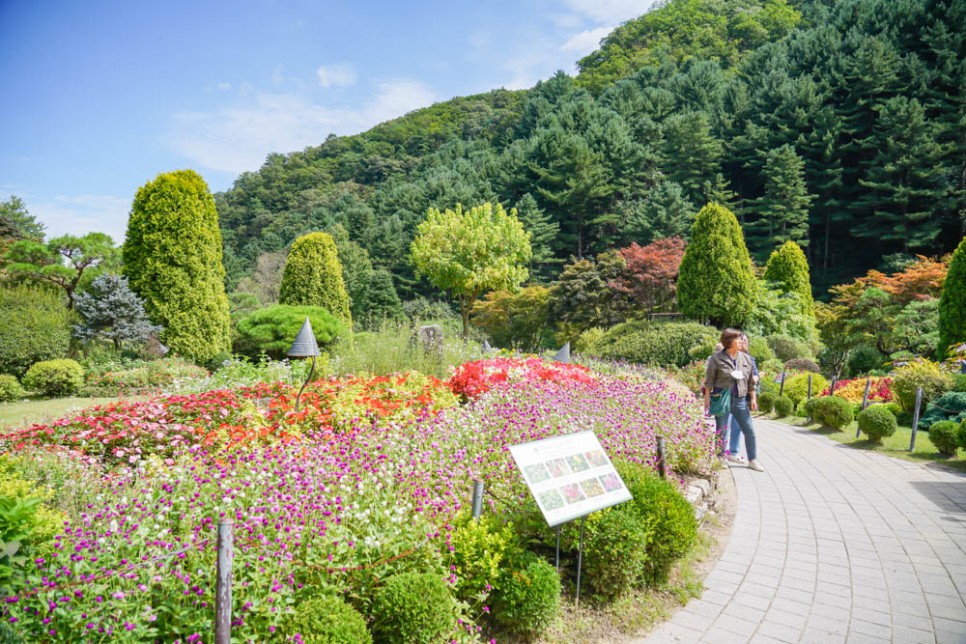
x: 838, y: 125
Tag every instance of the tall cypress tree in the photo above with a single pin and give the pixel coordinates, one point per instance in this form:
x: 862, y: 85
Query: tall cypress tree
x: 952, y: 303
x: 788, y: 268
x: 313, y: 277
x: 172, y: 257
x: 716, y: 281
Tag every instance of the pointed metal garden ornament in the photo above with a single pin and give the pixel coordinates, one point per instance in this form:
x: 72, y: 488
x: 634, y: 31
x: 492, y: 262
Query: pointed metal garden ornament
x: 304, y: 346
x: 163, y: 350
x: 486, y: 348
x: 564, y: 354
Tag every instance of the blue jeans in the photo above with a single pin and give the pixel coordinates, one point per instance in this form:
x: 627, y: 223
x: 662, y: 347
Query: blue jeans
x: 740, y: 420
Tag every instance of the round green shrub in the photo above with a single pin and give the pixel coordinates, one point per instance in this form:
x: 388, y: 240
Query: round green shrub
x: 788, y: 348
x: 809, y: 407
x: 961, y: 434
x: 413, y: 607
x: 54, y: 377
x: 796, y: 387
x: 480, y: 548
x: 783, y: 406
x: 832, y: 411
x: 877, y: 422
x: 894, y: 408
x: 34, y: 326
x: 527, y: 599
x: 326, y: 620
x: 616, y: 546
x: 271, y: 330
x: 766, y: 401
x: 945, y: 436
x: 959, y: 382
x: 759, y: 349
x: 10, y: 388
x: 919, y: 373
x: 658, y: 344
x: 802, y: 364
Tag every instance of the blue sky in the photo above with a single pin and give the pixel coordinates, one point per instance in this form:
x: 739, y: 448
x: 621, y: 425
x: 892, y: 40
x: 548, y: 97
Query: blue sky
x: 103, y: 95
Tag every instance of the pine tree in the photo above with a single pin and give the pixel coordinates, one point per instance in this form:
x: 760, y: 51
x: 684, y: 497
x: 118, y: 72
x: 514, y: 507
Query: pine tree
x: 172, y: 257
x: 952, y: 303
x: 788, y: 268
x: 543, y: 231
x: 783, y: 209
x: 313, y: 277
x: 716, y: 281
x: 109, y: 309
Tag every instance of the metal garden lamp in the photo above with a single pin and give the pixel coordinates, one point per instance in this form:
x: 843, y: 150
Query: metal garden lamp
x: 304, y: 346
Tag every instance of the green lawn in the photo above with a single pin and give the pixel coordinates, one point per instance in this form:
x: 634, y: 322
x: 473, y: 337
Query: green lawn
x: 896, y: 445
x: 26, y: 412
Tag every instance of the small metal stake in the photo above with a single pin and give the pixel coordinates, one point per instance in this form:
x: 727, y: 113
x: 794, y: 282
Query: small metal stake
x: 915, y: 419
x: 307, y: 380
x: 477, y: 498
x: 223, y: 583
x: 558, y: 549
x: 809, y: 387
x: 580, y: 559
x: 661, y: 467
x: 781, y: 386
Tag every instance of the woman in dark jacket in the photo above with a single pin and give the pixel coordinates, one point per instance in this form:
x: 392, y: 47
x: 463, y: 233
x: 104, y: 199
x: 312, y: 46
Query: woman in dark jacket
x: 732, y: 369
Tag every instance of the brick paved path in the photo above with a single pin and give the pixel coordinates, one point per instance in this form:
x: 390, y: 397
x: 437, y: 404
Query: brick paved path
x: 834, y: 544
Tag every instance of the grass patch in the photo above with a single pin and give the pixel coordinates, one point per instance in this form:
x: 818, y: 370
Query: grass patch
x: 896, y: 445
x: 393, y: 350
x: 22, y: 413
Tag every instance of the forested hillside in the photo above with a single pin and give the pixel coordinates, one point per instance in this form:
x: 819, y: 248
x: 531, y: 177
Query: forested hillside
x: 840, y: 125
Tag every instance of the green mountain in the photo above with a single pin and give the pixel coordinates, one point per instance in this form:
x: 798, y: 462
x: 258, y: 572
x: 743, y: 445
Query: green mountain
x: 836, y: 124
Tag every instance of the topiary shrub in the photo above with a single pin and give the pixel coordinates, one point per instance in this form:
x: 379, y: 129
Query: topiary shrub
x: 326, y: 620
x: 961, y: 434
x: 877, y: 422
x: 271, y: 330
x: 788, y: 348
x: 413, y: 607
x: 10, y: 388
x: 919, y: 373
x: 766, y: 401
x: 313, y: 277
x: 54, y: 377
x: 527, y: 599
x: 783, y: 406
x: 479, y: 549
x: 894, y: 408
x: 672, y: 517
x: 832, y: 411
x: 796, y: 387
x: 802, y: 364
x: 950, y: 406
x: 945, y: 436
x: 659, y: 344
x: 34, y: 326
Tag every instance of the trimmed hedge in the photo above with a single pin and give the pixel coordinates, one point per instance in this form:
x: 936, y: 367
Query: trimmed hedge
x: 10, y: 388
x: 326, y: 620
x: 527, y: 597
x: 945, y: 436
x: 877, y: 422
x: 54, y: 377
x: 34, y: 326
x: 783, y: 406
x: 271, y: 330
x: 832, y: 411
x: 413, y: 607
x: 766, y: 401
x: 658, y: 344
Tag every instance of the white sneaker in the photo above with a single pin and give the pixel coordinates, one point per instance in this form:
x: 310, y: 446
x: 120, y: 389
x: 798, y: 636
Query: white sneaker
x: 754, y: 465
x: 734, y: 458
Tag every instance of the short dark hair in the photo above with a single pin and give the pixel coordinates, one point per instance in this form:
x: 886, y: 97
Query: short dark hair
x: 728, y: 336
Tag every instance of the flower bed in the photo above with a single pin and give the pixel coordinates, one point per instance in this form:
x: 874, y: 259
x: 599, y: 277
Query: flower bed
x: 362, y: 491
x: 853, y: 390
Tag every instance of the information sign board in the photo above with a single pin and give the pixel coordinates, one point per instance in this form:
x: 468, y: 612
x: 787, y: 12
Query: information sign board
x: 569, y: 476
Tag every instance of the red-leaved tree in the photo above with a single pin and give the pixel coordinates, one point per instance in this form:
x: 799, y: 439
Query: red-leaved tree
x: 650, y: 278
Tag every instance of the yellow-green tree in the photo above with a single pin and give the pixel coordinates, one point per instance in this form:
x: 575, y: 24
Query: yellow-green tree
x: 172, y: 257
x: 471, y: 252
x: 313, y: 277
x: 788, y: 268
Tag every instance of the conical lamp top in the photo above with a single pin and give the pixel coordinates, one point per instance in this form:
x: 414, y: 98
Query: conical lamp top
x: 564, y: 354
x: 305, y: 345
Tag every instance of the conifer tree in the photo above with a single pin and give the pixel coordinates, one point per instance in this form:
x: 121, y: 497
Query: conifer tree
x: 543, y: 231
x: 716, y: 281
x: 172, y: 257
x: 952, y: 303
x: 783, y: 209
x: 313, y: 277
x: 788, y: 268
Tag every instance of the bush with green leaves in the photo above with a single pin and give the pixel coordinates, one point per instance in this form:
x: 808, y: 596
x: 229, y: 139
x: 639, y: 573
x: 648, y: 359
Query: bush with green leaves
x: 788, y: 348
x: 959, y: 382
x: 783, y: 406
x: 961, y: 434
x: 766, y: 401
x: 271, y: 330
x: 952, y: 302
x: 894, y: 408
x: 759, y: 350
x: 110, y: 310
x: 796, y: 387
x: 480, y: 547
x: 787, y: 268
x: 326, y: 620
x: 877, y: 422
x: 950, y: 406
x: 10, y: 388
x: 313, y: 277
x: 919, y: 373
x: 54, y: 377
x: 832, y: 411
x: 802, y: 364
x: 862, y: 360
x: 527, y: 598
x: 657, y: 344
x: 413, y: 607
x: 34, y: 326
x: 945, y: 436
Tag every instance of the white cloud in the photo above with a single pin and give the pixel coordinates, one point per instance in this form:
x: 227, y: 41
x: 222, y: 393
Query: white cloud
x: 585, y: 42
x: 224, y: 87
x: 81, y: 214
x: 237, y: 139
x: 609, y: 12
x: 340, y: 75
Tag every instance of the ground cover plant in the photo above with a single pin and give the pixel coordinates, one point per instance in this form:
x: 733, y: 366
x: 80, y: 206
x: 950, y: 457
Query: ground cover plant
x: 362, y: 484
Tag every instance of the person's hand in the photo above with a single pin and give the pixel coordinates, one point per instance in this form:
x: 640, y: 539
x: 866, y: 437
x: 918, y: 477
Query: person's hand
x: 753, y: 405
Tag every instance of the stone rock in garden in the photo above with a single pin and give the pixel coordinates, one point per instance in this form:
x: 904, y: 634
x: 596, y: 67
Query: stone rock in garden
x: 430, y: 338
